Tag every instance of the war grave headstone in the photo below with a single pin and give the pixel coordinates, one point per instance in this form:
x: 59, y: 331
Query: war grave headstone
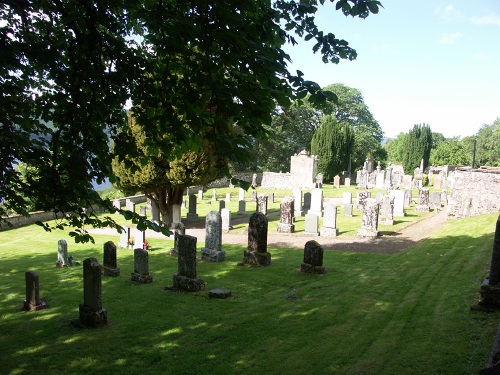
x: 192, y: 207
x: 225, y: 214
x: 213, y: 238
x: 186, y: 278
x: 33, y: 301
x: 386, y: 210
x: 336, y: 182
x: 297, y: 204
x: 423, y: 200
x: 490, y: 288
x: 141, y: 267
x: 311, y: 224
x: 222, y: 205
x: 329, y: 228
x: 63, y: 258
x: 369, y: 219
x: 399, y: 202
x: 307, y: 201
x: 316, y: 202
x: 91, y: 312
x: 285, y: 224
x: 256, y: 253
x: 313, y: 258
x: 109, y: 267
x: 262, y: 204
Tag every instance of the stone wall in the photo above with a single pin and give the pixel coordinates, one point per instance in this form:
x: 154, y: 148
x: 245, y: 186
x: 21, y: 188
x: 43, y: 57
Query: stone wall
x: 21, y: 221
x: 474, y: 192
x: 278, y: 181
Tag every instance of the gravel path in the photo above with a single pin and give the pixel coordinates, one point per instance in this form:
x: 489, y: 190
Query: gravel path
x: 387, y: 244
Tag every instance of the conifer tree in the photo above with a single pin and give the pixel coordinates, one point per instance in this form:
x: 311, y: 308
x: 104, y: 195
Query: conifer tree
x: 418, y: 145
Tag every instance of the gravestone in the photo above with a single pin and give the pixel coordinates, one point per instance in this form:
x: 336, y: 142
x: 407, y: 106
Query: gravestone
x: 142, y: 211
x: 297, y: 202
x: 347, y: 198
x: 311, y: 224
x: 192, y: 207
x: 399, y: 202
x: 109, y: 267
x: 444, y: 197
x: 129, y: 205
x: 438, y: 181
x: 347, y: 181
x: 33, y: 301
x: 213, y: 238
x: 490, y: 289
x: 362, y: 197
x: 177, y: 229
x: 200, y: 194
x: 63, y: 258
x: 141, y: 267
x: 242, y: 209
x: 386, y: 211
x: 124, y: 237
x: 155, y: 213
x: 307, y: 201
x: 313, y: 258
x: 176, y: 214
x: 271, y: 197
x: 336, y: 182
x: 435, y: 200
x: 241, y: 195
x: 186, y: 278
x: 139, y: 238
x: 256, y: 253
x: 319, y: 180
x: 316, y: 202
x: 348, y: 210
x: 214, y: 195
x: 222, y: 205
x: 329, y: 228
x: 408, y: 197
x: 285, y: 224
x: 418, y: 178
x: 228, y: 197
x: 388, y: 176
x: 407, y: 181
x: 262, y: 204
x: 363, y: 179
x: 379, y: 180
x: 369, y: 219
x: 423, y: 200
x: 226, y: 219
x: 254, y: 180
x: 117, y: 204
x: 254, y: 196
x: 92, y: 314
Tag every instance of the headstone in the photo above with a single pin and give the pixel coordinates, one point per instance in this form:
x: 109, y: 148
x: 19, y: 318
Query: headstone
x: 222, y: 205
x: 192, y: 207
x: 242, y: 210
x: 228, y: 197
x: 363, y: 179
x: 388, y: 176
x: 347, y: 181
x: 379, y: 196
x: 155, y: 213
x: 423, y: 200
x: 408, y: 197
x: 386, y: 211
x: 370, y: 163
x: 186, y: 278
x: 92, y: 314
x: 348, y: 210
x: 438, y: 181
x: 316, y: 202
x: 117, y: 204
x: 435, y: 200
x: 214, y: 195
x: 490, y: 289
x: 285, y: 224
x: 336, y: 182
x: 319, y: 180
x: 407, y: 181
x: 254, y: 180
x: 313, y: 258
x: 124, y: 237
x: 176, y: 213
x: 329, y: 228
x: 141, y: 267
x: 271, y: 198
x: 379, y: 180
x: 297, y: 202
x: 347, y: 198
x: 362, y: 197
x: 129, y: 205
x: 311, y: 224
x: 200, y: 194
x: 109, y: 267
x: 262, y: 204
x: 307, y: 201
x: 33, y: 301
x: 369, y: 220
x: 241, y: 195
x: 226, y: 219
x: 444, y: 197
x: 254, y: 196
x: 256, y: 253
x: 139, y: 238
x: 399, y: 202
x: 418, y: 178
x: 142, y: 211
x: 62, y: 254
x: 213, y: 238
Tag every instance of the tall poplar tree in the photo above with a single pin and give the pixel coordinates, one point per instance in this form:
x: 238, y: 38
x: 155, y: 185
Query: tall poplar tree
x: 418, y: 145
x: 333, y: 144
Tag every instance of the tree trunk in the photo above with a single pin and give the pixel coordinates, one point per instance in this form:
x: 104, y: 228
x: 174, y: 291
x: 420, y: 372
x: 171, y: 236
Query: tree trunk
x: 165, y: 199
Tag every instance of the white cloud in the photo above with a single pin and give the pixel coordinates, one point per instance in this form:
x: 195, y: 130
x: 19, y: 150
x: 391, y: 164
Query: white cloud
x: 449, y: 38
x: 490, y: 19
x: 447, y: 13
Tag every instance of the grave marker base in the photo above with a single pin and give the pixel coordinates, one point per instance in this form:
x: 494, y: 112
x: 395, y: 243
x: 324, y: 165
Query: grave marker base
x: 309, y: 268
x: 143, y: 279
x: 329, y: 232
x: 365, y: 232
x: 109, y: 271
x: 30, y: 307
x: 285, y: 228
x: 92, y: 318
x: 255, y: 258
x: 188, y: 284
x: 212, y: 255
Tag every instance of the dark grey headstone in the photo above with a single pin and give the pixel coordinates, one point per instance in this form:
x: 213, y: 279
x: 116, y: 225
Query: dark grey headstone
x: 33, y: 301
x: 257, y: 233
x: 313, y: 258
x: 286, y: 224
x: 92, y: 313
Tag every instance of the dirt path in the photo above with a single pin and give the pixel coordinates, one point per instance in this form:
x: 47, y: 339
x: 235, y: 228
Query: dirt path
x: 387, y: 244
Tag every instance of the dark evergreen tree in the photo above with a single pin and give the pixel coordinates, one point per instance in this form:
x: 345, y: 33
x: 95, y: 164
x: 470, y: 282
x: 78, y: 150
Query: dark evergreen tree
x: 418, y: 145
x: 333, y: 144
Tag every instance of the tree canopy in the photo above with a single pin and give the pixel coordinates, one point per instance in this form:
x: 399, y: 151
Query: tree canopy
x: 194, y: 70
x: 417, y: 146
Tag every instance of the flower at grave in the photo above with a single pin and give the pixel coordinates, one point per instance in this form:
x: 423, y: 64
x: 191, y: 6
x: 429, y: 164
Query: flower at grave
x: 130, y: 241
x: 145, y: 245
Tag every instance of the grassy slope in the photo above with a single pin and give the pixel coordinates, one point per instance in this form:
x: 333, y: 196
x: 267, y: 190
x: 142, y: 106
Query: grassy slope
x: 407, y: 313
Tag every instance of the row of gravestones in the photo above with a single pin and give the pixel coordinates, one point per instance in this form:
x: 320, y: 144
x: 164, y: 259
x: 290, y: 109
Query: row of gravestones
x: 92, y: 313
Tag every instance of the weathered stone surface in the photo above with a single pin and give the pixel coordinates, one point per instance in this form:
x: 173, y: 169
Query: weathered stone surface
x: 109, y: 263
x: 33, y: 301
x: 261, y: 204
x: 313, y: 258
x: 286, y: 224
x: 186, y: 278
x: 297, y: 204
x: 311, y: 224
x: 348, y: 210
x: 92, y: 313
x: 329, y: 228
x: 362, y: 197
x: 192, y: 207
x: 213, y: 238
x: 423, y: 200
x: 141, y: 267
x: 369, y: 220
x: 219, y: 293
x: 316, y: 202
x: 242, y: 207
x: 386, y: 211
x: 399, y: 203
x: 257, y: 241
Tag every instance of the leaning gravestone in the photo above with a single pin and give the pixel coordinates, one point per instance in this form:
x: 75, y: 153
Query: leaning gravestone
x: 185, y: 278
x: 213, y: 238
x: 490, y: 289
x: 109, y: 267
x: 369, y: 220
x: 141, y: 267
x: 311, y: 224
x: 257, y: 254
x: 423, y: 200
x: 286, y: 216
x: 386, y: 213
x: 92, y: 314
x: 329, y: 228
x: 313, y: 258
x: 33, y: 301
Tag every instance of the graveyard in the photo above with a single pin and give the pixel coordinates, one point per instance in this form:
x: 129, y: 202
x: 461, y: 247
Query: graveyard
x: 397, y: 311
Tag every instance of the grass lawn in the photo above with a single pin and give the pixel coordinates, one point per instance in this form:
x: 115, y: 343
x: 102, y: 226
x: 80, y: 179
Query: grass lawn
x: 407, y: 313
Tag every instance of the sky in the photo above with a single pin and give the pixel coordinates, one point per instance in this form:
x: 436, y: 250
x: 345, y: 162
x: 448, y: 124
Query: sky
x: 419, y: 61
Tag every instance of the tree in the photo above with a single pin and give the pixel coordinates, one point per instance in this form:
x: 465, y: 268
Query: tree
x: 290, y: 132
x: 333, y: 144
x: 351, y: 109
x: 396, y: 148
x: 488, y: 144
x: 451, y: 151
x: 192, y: 67
x: 162, y: 178
x: 417, y: 146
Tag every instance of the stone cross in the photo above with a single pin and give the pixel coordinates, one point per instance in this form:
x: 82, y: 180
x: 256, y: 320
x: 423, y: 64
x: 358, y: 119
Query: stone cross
x: 33, y: 301
x: 213, y: 238
x: 192, y: 207
x: 92, y: 313
x: 185, y: 278
x: 141, y: 267
x: 286, y: 224
x: 313, y: 258
x: 329, y: 228
x: 109, y: 264
x: 257, y: 241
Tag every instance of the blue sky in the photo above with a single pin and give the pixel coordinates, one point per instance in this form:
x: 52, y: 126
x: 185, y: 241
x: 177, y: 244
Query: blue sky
x: 427, y: 61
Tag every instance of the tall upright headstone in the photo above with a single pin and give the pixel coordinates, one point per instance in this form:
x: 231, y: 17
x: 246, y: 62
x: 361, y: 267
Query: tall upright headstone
x: 388, y: 176
x: 363, y: 179
x: 141, y: 267
x: 369, y: 220
x: 307, y: 201
x: 347, y: 198
x: 242, y: 209
x: 200, y: 194
x: 124, y: 237
x: 155, y: 213
x: 297, y: 204
x: 214, y: 195
x: 329, y: 228
x: 228, y: 197
x: 336, y: 182
x: 271, y: 198
x: 62, y: 254
x: 313, y: 258
x: 262, y: 203
x: 186, y: 278
x: 92, y: 314
x: 222, y: 205
x: 254, y: 196
x: 213, y: 238
x: 399, y: 202
x: 176, y: 214
x: 109, y: 264
x: 139, y: 238
x: 225, y: 214
x: 192, y: 207
x: 316, y: 202
x: 33, y: 301
x: 256, y: 253
x: 241, y: 195
x: 286, y: 224
x: 386, y: 211
x: 423, y: 200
